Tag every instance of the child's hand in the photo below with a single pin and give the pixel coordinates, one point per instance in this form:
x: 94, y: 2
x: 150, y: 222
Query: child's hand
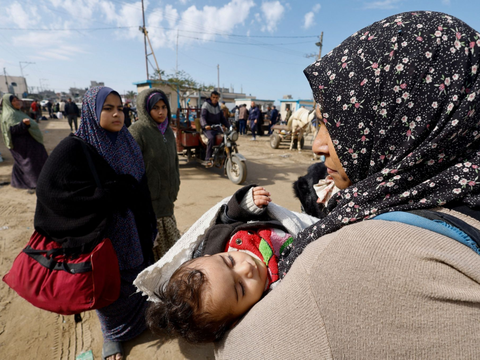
x: 261, y: 197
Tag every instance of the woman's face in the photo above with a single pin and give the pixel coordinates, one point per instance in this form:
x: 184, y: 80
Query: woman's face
x: 16, y: 103
x: 111, y: 117
x: 323, y: 146
x: 159, y: 112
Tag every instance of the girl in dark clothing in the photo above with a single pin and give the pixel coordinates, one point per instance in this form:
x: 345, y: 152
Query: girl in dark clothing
x: 25, y: 141
x: 71, y: 208
x: 157, y: 142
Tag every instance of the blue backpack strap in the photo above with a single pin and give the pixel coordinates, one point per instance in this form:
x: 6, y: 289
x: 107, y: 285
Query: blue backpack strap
x: 460, y: 231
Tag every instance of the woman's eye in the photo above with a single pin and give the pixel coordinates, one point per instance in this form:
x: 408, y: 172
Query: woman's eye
x: 231, y: 260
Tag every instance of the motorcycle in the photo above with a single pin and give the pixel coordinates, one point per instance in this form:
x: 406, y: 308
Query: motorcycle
x: 193, y: 145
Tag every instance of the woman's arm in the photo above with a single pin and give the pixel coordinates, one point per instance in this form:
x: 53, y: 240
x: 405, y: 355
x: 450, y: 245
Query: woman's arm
x: 20, y: 128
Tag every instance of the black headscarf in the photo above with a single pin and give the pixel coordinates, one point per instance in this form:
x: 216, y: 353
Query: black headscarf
x: 400, y: 99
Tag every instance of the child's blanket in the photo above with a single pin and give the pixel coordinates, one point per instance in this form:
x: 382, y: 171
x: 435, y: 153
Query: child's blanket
x: 149, y: 279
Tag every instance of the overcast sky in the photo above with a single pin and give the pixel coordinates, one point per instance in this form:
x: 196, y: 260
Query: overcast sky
x: 261, y: 46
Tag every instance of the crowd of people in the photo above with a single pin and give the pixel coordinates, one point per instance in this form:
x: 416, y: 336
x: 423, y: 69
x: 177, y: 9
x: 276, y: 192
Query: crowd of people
x: 400, y: 135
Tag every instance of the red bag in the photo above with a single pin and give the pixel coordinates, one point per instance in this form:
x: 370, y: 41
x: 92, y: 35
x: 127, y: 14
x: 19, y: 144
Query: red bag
x: 66, y: 285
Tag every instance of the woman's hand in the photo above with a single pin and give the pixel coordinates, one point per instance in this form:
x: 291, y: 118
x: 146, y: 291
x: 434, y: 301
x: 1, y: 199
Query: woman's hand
x: 261, y: 197
x: 26, y: 121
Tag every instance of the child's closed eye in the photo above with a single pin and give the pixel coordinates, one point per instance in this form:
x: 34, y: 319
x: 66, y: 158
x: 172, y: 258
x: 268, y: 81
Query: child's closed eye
x: 232, y: 261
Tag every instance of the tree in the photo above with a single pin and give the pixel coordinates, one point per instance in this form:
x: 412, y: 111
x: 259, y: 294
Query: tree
x: 130, y: 94
x: 181, y: 82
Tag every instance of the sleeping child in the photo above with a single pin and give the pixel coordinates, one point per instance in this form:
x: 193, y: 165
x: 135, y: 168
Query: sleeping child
x: 233, y: 266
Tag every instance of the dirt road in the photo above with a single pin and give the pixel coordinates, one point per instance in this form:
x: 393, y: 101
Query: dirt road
x: 30, y: 333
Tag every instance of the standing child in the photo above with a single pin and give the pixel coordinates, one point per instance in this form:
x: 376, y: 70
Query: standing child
x: 159, y: 149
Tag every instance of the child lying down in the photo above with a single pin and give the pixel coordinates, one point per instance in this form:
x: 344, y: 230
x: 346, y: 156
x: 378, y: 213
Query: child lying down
x: 234, y: 264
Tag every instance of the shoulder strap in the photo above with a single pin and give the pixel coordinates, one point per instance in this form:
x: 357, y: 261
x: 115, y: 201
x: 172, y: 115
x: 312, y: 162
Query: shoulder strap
x: 441, y: 223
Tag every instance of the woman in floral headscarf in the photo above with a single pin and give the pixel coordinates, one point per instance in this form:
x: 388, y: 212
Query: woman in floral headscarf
x: 400, y: 101
x: 72, y: 209
x: 23, y: 137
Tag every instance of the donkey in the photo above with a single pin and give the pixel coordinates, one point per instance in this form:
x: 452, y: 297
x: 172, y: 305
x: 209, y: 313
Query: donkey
x: 301, y: 122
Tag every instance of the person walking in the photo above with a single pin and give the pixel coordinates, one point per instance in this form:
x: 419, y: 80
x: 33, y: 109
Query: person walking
x: 71, y: 206
x: 49, y: 108
x: 159, y: 149
x: 253, y: 116
x: 273, y: 119
x: 242, y: 119
x: 23, y: 138
x: 211, y: 115
x: 71, y: 109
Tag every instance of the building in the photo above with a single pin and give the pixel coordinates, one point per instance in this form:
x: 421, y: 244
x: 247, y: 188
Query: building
x: 187, y: 97
x: 294, y: 104
x: 76, y: 93
x: 14, y: 85
x: 94, y: 83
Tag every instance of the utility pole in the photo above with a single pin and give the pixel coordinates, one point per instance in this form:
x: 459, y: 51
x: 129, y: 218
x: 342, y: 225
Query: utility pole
x: 176, y: 63
x: 145, y: 40
x: 320, y: 45
x: 218, y: 81
x: 143, y: 29
x: 5, y: 74
x: 21, y: 72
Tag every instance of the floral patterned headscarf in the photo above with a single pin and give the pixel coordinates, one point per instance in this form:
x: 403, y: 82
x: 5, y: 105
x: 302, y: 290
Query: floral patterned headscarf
x: 401, y: 101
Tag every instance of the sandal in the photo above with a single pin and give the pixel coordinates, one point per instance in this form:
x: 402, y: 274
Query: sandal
x: 111, y: 348
x: 207, y: 164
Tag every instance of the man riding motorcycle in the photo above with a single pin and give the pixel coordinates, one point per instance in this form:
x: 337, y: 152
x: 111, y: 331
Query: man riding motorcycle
x: 211, y: 115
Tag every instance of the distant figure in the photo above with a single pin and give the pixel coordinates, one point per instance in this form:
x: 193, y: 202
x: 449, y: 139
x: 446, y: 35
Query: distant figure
x: 236, y: 112
x: 273, y: 119
x: 242, y: 119
x: 71, y: 109
x: 34, y: 108
x: 225, y: 110
x: 49, y: 107
x: 254, y: 117
x: 126, y: 111
x: 62, y: 107
x: 289, y: 113
x: 24, y: 139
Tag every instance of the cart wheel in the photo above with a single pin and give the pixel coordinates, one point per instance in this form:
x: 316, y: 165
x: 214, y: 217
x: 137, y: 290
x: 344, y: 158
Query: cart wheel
x: 275, y: 140
x: 236, y: 170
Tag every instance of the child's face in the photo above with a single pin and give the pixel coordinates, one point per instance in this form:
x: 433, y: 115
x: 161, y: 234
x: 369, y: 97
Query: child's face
x: 236, y: 281
x: 159, y: 112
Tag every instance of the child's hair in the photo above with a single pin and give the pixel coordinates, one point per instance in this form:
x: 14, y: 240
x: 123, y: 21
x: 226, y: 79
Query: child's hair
x: 182, y: 310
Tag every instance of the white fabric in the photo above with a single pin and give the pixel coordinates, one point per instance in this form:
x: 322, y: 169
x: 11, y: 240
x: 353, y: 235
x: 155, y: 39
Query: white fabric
x: 325, y: 189
x: 149, y: 279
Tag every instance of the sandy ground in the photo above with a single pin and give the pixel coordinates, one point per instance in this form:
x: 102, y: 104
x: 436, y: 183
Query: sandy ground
x: 30, y: 333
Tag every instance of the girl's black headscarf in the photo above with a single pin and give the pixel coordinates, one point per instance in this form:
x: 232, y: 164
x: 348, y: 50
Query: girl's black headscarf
x: 400, y: 99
